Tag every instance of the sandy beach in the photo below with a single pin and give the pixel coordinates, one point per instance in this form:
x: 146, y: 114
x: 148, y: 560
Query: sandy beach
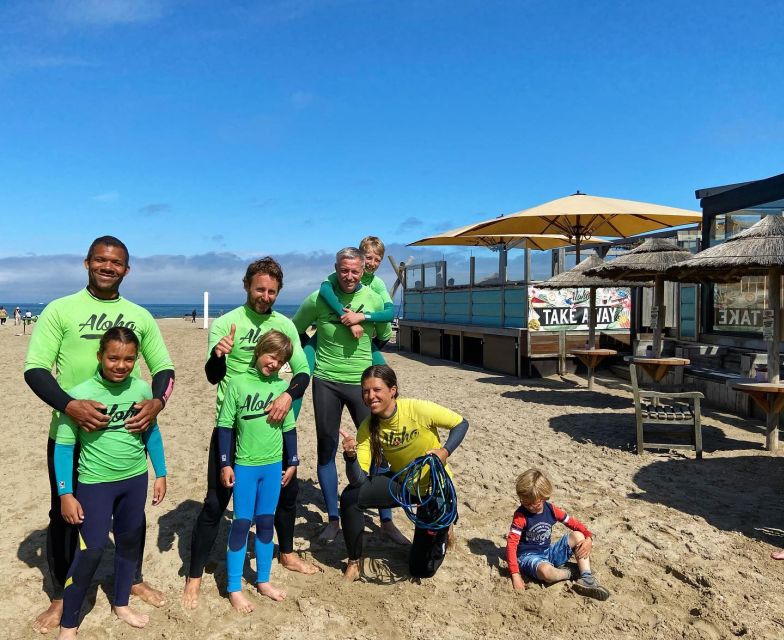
x: 683, y: 545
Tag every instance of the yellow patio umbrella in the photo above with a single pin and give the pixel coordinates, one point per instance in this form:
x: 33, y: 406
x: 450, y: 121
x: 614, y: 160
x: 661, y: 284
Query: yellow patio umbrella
x: 464, y: 237
x: 579, y: 217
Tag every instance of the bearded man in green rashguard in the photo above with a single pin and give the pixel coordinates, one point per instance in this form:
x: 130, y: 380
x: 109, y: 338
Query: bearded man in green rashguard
x: 66, y: 337
x: 341, y: 357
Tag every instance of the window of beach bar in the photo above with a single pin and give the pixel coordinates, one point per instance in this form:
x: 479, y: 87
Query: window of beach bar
x: 738, y: 306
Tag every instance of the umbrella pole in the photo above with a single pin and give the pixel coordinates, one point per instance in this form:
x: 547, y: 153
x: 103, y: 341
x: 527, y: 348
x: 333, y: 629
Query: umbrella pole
x: 774, y: 303
x: 591, y: 331
x: 658, y: 301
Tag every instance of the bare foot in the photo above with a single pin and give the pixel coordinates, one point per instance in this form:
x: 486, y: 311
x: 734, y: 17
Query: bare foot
x: 240, y: 602
x: 776, y: 555
x: 190, y: 595
x: 67, y: 634
x: 330, y: 532
x: 148, y: 594
x: 391, y: 532
x: 352, y: 572
x: 293, y: 562
x: 273, y: 593
x: 133, y: 618
x: 49, y: 619
x: 451, y: 538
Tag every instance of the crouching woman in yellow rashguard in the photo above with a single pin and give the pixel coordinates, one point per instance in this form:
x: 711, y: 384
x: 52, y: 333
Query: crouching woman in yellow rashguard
x: 401, y: 430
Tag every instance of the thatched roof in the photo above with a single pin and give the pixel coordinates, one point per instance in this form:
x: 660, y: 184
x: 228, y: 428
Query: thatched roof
x: 755, y: 251
x: 576, y: 277
x: 652, y: 258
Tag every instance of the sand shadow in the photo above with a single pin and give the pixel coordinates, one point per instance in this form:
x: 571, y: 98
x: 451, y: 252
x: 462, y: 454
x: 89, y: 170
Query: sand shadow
x: 732, y: 494
x: 576, y: 397
x: 617, y: 431
x: 494, y: 554
x: 178, y: 525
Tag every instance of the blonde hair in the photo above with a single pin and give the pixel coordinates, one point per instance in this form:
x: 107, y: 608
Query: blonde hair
x: 274, y: 342
x: 374, y: 244
x: 533, y: 485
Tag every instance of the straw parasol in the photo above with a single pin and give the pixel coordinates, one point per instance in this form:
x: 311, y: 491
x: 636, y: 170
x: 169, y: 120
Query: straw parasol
x: 580, y: 217
x: 759, y: 250
x: 576, y: 278
x: 649, y: 261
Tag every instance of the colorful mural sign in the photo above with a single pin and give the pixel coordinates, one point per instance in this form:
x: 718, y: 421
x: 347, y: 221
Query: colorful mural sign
x: 556, y: 309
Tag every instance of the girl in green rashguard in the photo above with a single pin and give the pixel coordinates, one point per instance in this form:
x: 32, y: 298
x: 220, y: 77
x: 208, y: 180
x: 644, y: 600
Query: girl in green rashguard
x: 112, y: 479
x: 374, y: 250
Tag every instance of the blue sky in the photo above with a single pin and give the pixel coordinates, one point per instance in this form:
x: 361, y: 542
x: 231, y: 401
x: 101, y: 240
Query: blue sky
x: 207, y: 133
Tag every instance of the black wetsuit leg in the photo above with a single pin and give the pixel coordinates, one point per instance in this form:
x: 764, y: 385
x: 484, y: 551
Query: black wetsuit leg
x: 353, y: 501
x: 205, y: 531
x: 61, y: 537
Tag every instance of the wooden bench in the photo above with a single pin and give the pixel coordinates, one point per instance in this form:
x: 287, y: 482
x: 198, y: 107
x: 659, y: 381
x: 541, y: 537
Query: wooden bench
x: 679, y: 411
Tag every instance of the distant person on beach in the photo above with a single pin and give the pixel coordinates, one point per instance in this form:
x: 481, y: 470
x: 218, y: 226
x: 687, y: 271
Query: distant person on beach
x: 231, y: 343
x: 193, y: 315
x: 400, y: 430
x: 257, y: 473
x: 66, y: 338
x: 528, y: 547
x: 17, y: 316
x: 112, y: 481
x: 340, y: 359
x: 3, y: 315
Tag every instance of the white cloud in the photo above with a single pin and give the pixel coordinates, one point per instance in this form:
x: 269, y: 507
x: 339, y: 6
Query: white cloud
x: 109, y: 196
x: 105, y: 13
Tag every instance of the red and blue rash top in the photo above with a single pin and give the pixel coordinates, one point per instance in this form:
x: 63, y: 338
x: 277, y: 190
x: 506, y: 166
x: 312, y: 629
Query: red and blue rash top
x: 531, y: 532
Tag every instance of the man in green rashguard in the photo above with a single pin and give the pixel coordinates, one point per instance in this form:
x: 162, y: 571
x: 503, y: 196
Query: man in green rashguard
x: 66, y: 338
x: 231, y: 342
x: 340, y: 360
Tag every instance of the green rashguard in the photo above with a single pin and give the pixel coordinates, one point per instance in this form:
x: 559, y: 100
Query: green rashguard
x: 376, y: 284
x: 246, y: 399
x: 250, y: 326
x: 340, y: 357
x: 112, y: 453
x: 67, y: 334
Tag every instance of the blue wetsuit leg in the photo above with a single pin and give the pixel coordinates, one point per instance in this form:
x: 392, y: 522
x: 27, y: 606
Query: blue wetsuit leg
x: 267, y: 493
x: 245, y: 482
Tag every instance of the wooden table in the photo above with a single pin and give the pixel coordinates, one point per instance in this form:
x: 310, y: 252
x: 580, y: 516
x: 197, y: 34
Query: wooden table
x: 769, y: 396
x: 657, y: 368
x: 591, y: 358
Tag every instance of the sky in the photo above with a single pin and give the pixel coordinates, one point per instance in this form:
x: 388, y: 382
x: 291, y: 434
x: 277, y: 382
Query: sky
x: 205, y: 134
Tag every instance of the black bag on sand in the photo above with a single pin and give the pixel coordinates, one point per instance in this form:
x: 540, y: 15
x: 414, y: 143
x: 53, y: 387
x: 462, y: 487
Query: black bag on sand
x: 428, y: 548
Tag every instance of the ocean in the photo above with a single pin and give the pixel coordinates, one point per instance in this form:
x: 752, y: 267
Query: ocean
x: 157, y: 310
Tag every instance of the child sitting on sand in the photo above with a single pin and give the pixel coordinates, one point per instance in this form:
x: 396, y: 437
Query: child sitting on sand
x: 528, y: 544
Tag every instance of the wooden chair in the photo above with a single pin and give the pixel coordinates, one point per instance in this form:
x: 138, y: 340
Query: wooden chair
x: 680, y: 411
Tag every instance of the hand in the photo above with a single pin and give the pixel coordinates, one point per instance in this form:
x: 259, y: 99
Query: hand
x: 88, y: 414
x: 71, y: 509
x: 357, y: 331
x: 226, y: 343
x: 583, y: 548
x: 279, y: 408
x: 158, y: 491
x: 517, y: 582
x: 146, y: 413
x: 227, y: 477
x: 349, y: 444
x: 351, y: 318
x: 288, y: 475
x: 442, y: 454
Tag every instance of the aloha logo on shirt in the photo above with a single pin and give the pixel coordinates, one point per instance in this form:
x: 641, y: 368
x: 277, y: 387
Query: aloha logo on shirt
x: 103, y: 323
x: 254, y: 407
x: 249, y: 340
x: 118, y: 414
x: 398, y: 438
x: 334, y: 318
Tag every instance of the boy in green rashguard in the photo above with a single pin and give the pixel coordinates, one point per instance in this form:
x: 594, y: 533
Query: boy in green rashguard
x: 374, y: 250
x: 112, y: 480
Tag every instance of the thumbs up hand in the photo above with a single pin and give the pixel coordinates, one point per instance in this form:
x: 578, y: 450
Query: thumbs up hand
x: 226, y: 343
